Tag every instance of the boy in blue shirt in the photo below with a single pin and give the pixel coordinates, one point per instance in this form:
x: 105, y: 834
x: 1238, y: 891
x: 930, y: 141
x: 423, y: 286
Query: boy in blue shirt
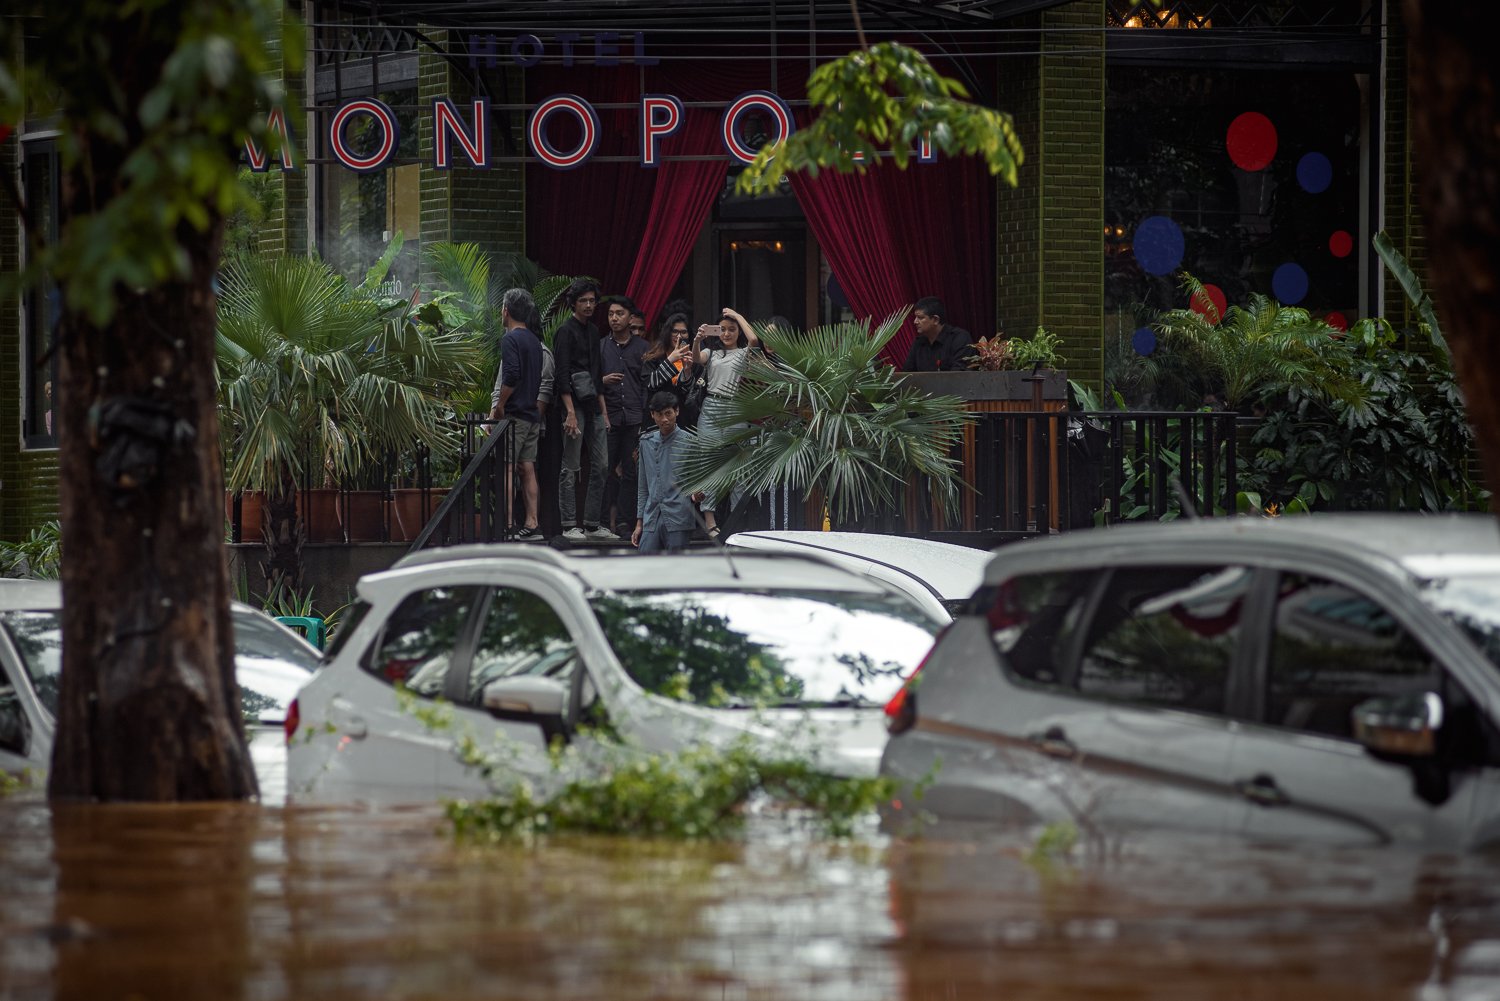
x: 664, y: 518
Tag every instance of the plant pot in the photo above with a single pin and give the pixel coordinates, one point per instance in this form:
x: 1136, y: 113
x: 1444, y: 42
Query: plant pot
x: 408, y: 517
x: 366, y: 515
x: 252, y: 507
x: 320, y: 513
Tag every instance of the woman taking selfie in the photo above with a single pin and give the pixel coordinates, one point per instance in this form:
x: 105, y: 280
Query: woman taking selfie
x: 723, y: 350
x: 669, y: 365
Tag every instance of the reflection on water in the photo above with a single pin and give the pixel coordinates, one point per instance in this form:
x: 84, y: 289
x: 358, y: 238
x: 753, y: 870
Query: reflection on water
x: 247, y: 902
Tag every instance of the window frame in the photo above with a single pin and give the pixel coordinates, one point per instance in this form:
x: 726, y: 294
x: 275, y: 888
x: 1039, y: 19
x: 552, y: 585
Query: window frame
x: 457, y: 683
x: 463, y: 644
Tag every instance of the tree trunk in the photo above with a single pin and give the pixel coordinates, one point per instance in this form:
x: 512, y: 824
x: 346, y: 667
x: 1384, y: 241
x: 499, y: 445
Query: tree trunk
x: 284, y: 536
x: 149, y: 706
x: 1455, y: 88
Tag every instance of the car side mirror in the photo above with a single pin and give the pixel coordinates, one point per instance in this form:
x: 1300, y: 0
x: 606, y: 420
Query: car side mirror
x: 1403, y: 726
x: 529, y: 699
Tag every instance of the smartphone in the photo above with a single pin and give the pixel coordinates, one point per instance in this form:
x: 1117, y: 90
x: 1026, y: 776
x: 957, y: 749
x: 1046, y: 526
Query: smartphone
x: 715, y: 332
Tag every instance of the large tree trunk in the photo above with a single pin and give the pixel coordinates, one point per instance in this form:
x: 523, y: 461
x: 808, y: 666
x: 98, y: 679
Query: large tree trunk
x: 1455, y: 89
x: 149, y: 704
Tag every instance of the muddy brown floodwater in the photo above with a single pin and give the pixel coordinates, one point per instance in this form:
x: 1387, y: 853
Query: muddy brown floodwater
x: 247, y: 902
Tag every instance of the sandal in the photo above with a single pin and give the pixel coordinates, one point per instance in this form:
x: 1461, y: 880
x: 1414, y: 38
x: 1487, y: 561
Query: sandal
x: 714, y: 533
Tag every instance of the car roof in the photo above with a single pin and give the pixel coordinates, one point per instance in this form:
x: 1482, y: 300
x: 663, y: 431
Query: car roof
x: 1421, y: 545
x: 22, y: 595
x: 950, y: 571
x: 617, y: 570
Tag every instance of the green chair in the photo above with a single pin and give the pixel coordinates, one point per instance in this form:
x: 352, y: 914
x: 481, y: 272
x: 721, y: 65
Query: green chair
x: 307, y: 625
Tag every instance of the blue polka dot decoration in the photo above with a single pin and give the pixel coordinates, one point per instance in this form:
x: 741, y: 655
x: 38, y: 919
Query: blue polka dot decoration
x: 1158, y: 245
x: 1144, y: 341
x: 1289, y: 284
x: 1314, y: 173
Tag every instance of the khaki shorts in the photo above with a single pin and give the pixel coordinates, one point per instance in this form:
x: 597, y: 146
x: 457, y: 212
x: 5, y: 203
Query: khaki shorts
x: 524, y: 438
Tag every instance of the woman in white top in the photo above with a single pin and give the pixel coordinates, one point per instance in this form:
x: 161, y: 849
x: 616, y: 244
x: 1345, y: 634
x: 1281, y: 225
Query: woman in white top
x: 724, y: 359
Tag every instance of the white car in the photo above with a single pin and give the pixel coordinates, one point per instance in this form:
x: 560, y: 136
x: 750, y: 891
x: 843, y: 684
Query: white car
x: 936, y: 575
x: 513, y: 646
x: 271, y: 664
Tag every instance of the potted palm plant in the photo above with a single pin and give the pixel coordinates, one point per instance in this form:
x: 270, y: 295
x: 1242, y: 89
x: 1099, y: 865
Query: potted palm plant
x: 318, y: 379
x: 826, y: 417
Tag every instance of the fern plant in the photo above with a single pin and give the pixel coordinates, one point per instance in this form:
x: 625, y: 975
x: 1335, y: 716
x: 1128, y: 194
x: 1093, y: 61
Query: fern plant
x: 827, y: 416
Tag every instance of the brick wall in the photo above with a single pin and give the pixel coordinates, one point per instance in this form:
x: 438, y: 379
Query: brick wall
x: 284, y: 230
x: 1018, y: 227
x: 1071, y: 168
x: 464, y: 205
x: 28, y: 479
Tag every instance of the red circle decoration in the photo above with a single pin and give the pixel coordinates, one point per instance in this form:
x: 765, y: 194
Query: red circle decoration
x: 1340, y: 244
x: 1337, y: 321
x: 1216, y: 296
x: 1251, y: 141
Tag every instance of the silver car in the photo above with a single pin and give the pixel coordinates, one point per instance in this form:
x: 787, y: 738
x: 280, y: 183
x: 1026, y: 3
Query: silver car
x: 271, y: 664
x: 1325, y: 679
x: 509, y: 648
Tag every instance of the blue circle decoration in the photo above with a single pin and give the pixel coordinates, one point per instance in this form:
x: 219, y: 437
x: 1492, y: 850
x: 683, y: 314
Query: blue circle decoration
x: 1289, y: 284
x: 1158, y: 245
x: 1144, y: 341
x: 1314, y: 173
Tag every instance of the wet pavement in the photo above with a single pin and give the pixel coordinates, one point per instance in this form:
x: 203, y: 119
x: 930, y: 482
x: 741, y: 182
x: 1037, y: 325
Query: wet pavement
x: 250, y: 902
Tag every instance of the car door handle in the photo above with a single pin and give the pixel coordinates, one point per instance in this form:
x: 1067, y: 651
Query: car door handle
x: 1262, y: 790
x: 1054, y: 743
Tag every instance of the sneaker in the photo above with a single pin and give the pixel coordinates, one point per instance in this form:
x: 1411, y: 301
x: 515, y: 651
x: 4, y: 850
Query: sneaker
x: 528, y: 535
x: 600, y: 532
x: 574, y: 535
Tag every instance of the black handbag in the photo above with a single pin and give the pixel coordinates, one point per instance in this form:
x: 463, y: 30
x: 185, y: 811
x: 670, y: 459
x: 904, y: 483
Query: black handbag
x: 696, y: 390
x: 583, y: 387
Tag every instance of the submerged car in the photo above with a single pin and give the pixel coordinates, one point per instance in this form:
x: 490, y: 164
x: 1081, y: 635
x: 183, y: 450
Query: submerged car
x: 938, y: 576
x: 1328, y: 679
x: 510, y: 648
x: 271, y: 664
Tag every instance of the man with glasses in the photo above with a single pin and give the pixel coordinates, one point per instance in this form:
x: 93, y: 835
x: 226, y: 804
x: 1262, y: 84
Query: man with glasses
x: 585, y: 418
x: 625, y: 400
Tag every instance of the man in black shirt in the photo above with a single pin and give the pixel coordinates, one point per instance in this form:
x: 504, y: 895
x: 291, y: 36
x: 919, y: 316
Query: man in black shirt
x: 939, y: 347
x: 625, y: 399
x: 585, y: 420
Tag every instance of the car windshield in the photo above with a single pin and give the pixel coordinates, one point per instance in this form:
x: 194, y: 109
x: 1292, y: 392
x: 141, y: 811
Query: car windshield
x: 38, y: 638
x: 736, y: 649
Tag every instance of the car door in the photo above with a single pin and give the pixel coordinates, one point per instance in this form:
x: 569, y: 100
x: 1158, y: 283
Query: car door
x: 391, y: 734
x: 1152, y: 668
x: 15, y: 731
x: 1302, y: 775
x: 1119, y: 713
x: 521, y: 633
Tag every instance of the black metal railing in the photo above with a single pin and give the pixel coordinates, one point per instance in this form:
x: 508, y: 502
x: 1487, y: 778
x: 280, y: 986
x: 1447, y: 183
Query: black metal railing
x: 478, y: 506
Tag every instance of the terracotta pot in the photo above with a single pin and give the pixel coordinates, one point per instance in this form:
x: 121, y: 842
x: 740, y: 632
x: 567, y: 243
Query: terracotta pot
x: 407, y: 516
x: 251, y: 507
x: 366, y: 516
x: 320, y: 508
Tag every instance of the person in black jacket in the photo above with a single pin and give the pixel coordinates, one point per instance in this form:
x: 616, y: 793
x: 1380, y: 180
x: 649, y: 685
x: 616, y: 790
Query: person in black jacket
x: 585, y: 420
x: 669, y: 365
x: 939, y: 347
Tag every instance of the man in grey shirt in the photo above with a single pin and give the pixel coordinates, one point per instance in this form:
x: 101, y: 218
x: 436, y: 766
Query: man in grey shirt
x: 664, y: 514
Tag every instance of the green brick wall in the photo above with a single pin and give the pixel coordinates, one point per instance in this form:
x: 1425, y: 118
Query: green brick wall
x: 1402, y: 221
x: 284, y: 230
x: 1018, y: 225
x: 1071, y: 167
x: 464, y: 205
x: 28, y: 479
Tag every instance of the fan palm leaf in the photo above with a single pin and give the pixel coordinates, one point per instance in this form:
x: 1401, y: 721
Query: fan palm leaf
x: 825, y: 415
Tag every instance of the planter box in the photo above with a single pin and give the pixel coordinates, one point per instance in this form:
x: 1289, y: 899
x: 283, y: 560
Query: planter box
x: 1011, y: 386
x: 407, y: 515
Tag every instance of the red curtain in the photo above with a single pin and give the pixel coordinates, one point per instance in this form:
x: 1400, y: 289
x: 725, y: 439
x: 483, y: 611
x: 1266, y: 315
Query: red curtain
x: 892, y: 237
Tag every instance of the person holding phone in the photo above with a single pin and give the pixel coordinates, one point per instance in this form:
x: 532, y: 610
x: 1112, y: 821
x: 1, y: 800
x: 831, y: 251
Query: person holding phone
x: 723, y: 349
x: 669, y: 365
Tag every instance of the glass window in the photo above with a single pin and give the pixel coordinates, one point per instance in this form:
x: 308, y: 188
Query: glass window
x: 260, y: 637
x: 743, y: 650
x: 1332, y: 649
x: 521, y: 635
x: 43, y: 303
x: 361, y: 213
x: 416, y: 646
x: 37, y: 636
x: 1032, y: 619
x: 1165, y: 636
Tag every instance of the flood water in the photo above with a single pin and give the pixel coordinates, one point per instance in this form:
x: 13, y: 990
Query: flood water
x: 250, y: 902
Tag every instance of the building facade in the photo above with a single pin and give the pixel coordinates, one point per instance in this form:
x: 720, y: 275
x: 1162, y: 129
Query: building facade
x: 1256, y: 146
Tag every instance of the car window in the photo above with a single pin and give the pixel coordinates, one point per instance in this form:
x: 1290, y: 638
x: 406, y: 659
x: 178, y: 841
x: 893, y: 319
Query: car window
x: 1332, y: 648
x: 743, y: 650
x: 1031, y: 618
x: 417, y: 642
x: 521, y: 634
x: 37, y: 636
x: 258, y: 636
x: 12, y: 718
x: 1165, y: 636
